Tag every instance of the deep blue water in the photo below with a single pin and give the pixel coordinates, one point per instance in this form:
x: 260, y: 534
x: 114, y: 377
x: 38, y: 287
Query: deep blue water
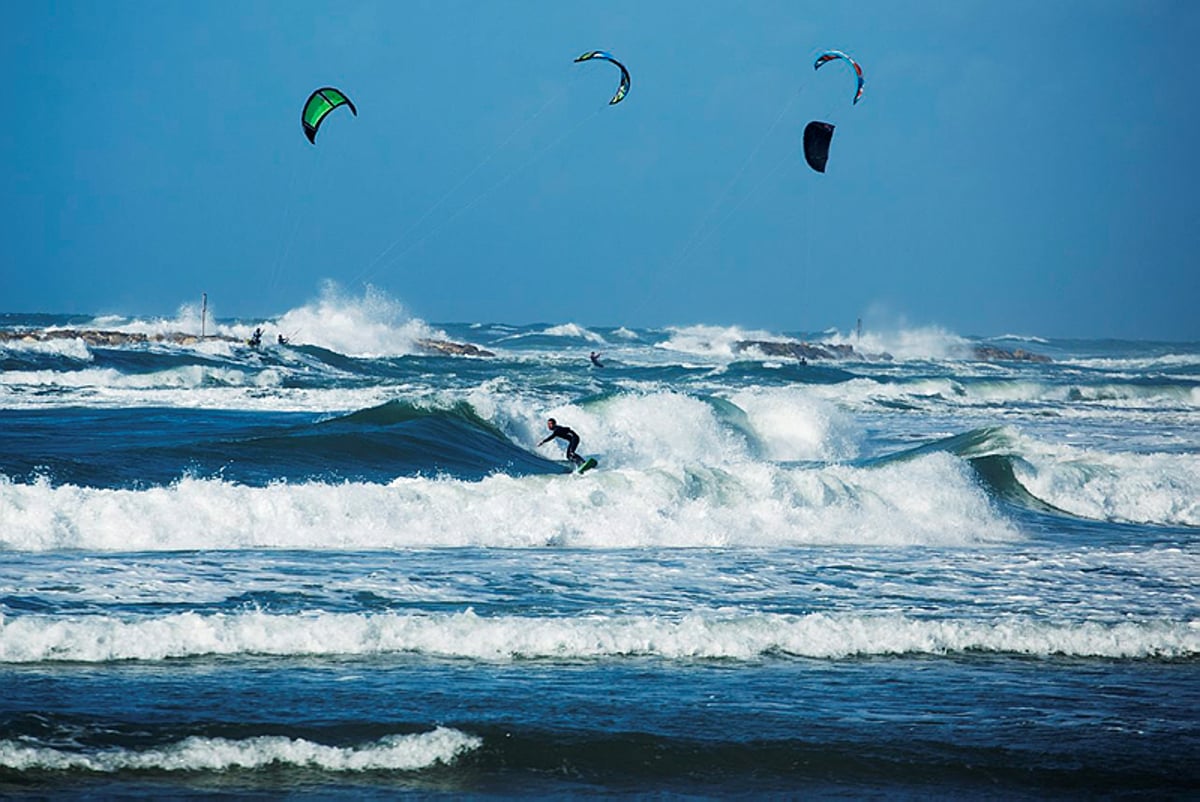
x: 344, y: 568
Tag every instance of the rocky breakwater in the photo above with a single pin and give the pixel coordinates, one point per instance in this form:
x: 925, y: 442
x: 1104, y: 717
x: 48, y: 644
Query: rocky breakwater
x: 454, y: 349
x: 112, y: 339
x: 990, y: 353
x: 109, y: 338
x: 804, y: 351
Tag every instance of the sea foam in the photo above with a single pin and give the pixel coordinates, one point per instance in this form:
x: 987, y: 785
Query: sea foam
x: 390, y: 753
x: 930, y: 500
x: 1138, y: 488
x: 712, y: 635
x: 373, y: 325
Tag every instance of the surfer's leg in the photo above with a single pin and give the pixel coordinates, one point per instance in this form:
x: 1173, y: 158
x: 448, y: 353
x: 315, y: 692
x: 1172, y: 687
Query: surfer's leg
x: 571, y: 455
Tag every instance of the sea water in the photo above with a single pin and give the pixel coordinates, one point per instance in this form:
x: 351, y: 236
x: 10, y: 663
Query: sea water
x: 342, y: 567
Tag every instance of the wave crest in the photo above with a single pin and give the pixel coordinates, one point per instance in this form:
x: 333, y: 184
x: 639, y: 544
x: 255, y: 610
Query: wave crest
x: 934, y: 499
x: 711, y: 636
x: 390, y: 753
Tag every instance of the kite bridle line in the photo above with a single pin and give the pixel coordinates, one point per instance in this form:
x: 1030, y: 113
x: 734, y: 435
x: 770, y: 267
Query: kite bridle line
x: 787, y: 158
x: 368, y: 273
x: 370, y: 269
x: 736, y: 177
x: 699, y: 236
x: 286, y: 248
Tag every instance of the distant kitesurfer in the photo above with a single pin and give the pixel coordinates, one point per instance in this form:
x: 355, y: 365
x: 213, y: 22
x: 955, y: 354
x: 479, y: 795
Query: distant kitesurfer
x: 566, y: 434
x: 281, y: 339
x: 255, y: 338
x: 595, y: 357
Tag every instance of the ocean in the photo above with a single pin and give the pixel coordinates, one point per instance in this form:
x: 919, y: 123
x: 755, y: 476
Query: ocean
x: 930, y: 566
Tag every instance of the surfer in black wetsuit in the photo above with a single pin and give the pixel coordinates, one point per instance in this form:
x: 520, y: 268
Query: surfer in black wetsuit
x: 595, y: 357
x: 566, y: 434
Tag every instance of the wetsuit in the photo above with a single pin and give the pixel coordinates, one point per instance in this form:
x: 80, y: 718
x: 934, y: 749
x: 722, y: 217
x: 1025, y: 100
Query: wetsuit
x: 572, y: 442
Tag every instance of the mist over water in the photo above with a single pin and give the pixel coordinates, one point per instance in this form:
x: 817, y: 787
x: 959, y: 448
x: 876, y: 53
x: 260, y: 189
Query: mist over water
x: 762, y: 584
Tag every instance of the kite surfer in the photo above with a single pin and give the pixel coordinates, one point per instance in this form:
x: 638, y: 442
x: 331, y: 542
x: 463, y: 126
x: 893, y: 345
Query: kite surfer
x: 566, y: 434
x: 595, y: 357
x: 255, y: 338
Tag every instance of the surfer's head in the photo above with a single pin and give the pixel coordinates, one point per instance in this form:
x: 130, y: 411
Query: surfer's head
x: 551, y: 423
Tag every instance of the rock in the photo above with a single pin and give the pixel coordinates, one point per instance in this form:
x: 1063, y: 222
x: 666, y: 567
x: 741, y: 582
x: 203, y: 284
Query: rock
x: 100, y: 337
x: 990, y: 353
x: 804, y: 351
x: 109, y: 338
x: 456, y: 349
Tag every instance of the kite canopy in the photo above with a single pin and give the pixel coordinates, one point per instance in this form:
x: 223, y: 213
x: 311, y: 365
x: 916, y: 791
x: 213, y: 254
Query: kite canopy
x: 817, y: 136
x: 831, y: 55
x: 623, y: 89
x: 318, y: 106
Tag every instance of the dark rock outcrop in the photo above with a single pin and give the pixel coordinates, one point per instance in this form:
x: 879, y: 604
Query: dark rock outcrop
x: 804, y: 350
x: 456, y: 349
x: 990, y: 353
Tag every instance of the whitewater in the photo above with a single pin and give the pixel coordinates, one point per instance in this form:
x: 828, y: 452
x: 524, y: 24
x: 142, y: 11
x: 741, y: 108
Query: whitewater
x: 341, y: 566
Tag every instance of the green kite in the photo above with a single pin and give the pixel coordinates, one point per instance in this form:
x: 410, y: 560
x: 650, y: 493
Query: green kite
x: 318, y: 106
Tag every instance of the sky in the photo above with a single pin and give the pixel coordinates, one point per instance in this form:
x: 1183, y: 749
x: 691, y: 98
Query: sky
x: 1027, y: 167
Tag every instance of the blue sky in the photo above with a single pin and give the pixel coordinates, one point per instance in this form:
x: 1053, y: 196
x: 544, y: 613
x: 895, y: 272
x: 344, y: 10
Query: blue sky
x: 1017, y: 167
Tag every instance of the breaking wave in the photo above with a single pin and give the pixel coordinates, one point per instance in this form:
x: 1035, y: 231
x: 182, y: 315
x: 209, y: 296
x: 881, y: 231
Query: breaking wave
x: 711, y: 636
x: 201, y: 754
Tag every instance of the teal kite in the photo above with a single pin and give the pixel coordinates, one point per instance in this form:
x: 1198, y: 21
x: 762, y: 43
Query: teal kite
x: 831, y: 55
x: 623, y: 89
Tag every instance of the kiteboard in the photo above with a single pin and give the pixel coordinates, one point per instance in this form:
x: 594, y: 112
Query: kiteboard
x: 587, y: 466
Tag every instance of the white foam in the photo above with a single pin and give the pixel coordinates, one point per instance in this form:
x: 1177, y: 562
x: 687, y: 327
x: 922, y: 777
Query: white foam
x: 902, y: 342
x: 931, y: 500
x: 216, y: 389
x: 1138, y: 488
x: 707, y: 635
x: 390, y: 753
x: 712, y: 341
x: 573, y: 331
x: 1119, y: 404
x: 187, y: 319
x: 1025, y: 338
x: 1138, y: 364
x: 792, y: 424
x: 181, y: 378
x: 905, y: 343
x: 373, y: 325
x: 73, y: 348
x: 660, y: 428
